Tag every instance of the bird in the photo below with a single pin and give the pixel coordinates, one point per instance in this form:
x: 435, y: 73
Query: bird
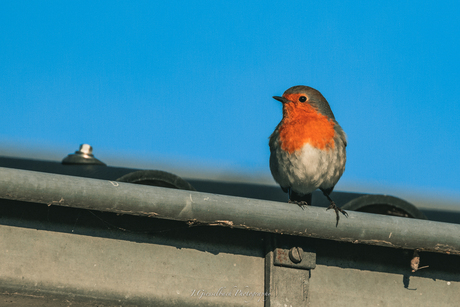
x: 308, y: 147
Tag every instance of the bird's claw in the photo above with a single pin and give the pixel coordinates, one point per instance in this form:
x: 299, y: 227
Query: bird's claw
x: 302, y: 204
x: 337, y: 210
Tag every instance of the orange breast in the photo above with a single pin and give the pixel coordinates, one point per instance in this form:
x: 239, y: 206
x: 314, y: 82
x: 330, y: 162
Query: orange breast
x: 302, y: 124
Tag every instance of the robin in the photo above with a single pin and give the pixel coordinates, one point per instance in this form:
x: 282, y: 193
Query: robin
x: 307, y: 148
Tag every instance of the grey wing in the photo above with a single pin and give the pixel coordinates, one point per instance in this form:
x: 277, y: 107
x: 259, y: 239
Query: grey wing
x: 274, y: 167
x: 340, y: 133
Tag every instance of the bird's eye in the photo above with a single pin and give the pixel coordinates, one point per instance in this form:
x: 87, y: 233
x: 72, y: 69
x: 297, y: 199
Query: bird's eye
x: 302, y: 98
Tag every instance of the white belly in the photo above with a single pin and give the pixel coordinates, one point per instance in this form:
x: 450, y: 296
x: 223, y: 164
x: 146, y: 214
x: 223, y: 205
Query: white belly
x: 309, y: 168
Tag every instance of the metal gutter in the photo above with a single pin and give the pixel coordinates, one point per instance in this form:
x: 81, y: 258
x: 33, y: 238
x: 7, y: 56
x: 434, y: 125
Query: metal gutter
x: 211, y: 209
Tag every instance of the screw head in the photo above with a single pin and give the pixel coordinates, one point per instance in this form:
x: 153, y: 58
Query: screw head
x: 295, y: 254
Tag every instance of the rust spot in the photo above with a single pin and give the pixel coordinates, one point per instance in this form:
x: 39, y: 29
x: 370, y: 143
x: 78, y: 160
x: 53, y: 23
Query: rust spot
x: 55, y: 202
x: 281, y: 255
x: 221, y: 223
x: 193, y: 222
x: 415, y: 262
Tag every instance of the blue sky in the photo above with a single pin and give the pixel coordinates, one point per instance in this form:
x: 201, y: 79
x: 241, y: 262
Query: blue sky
x: 191, y: 82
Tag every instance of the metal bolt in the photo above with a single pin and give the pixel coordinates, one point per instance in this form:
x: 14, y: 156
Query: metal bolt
x: 84, y: 155
x: 86, y: 149
x: 295, y: 254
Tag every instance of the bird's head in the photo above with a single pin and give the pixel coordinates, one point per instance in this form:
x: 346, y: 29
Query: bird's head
x: 304, y: 99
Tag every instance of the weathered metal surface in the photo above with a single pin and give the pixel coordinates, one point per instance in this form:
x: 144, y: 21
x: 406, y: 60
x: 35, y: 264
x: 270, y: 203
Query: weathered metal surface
x: 62, y: 256
x: 46, y: 264
x: 287, y: 271
x: 351, y: 286
x: 296, y: 258
x: 285, y: 286
x: 176, y: 267
x: 202, y: 208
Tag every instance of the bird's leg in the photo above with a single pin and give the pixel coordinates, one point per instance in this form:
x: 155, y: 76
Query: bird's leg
x: 301, y: 203
x: 336, y: 209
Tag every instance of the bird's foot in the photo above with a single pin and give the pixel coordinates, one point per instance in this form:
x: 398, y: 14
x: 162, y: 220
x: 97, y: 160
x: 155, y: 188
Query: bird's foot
x: 337, y: 210
x: 301, y: 203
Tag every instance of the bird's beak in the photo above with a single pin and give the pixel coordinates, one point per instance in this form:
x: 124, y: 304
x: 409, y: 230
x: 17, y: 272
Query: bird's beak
x: 282, y: 99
